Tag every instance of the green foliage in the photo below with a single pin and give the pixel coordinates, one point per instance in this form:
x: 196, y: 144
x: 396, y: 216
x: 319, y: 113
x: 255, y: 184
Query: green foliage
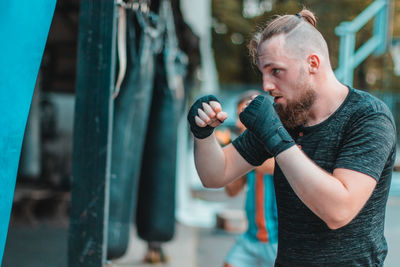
x: 233, y: 62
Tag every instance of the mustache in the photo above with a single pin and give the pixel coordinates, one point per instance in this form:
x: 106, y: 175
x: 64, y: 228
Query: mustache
x: 295, y: 113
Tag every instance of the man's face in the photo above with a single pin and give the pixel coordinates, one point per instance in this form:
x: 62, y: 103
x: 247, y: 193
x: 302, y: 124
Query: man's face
x: 285, y: 77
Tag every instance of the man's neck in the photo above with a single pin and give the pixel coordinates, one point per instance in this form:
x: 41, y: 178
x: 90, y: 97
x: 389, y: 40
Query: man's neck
x: 329, y: 99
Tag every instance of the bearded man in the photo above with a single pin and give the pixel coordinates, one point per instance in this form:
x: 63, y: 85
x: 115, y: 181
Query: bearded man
x: 334, y: 148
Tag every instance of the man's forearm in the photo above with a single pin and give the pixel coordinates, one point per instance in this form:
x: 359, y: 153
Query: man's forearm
x: 334, y: 199
x: 218, y: 166
x: 209, y: 160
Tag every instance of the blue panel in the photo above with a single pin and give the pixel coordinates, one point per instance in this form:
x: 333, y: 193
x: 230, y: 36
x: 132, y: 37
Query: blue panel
x: 350, y: 59
x: 24, y: 26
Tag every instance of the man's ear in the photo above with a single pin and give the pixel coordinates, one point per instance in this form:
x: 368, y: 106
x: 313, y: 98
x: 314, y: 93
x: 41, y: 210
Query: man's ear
x: 313, y: 63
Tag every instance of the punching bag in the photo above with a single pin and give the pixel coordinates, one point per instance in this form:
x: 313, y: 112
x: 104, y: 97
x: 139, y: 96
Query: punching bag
x: 131, y: 112
x: 155, y: 216
x: 24, y: 26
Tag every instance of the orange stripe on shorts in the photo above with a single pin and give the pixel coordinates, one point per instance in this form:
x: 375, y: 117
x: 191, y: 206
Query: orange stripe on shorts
x: 262, y: 233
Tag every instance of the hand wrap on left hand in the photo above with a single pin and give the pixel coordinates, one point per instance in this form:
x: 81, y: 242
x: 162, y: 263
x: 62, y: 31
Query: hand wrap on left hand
x: 260, y: 118
x: 200, y: 132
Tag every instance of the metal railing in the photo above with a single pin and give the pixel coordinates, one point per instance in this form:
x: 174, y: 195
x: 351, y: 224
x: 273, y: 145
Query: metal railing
x: 349, y: 58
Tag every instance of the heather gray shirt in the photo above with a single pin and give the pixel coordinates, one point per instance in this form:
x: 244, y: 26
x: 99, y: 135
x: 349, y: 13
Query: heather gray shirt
x: 359, y: 136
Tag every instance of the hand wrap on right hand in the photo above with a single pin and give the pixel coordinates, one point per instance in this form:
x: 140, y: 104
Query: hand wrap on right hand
x: 260, y: 118
x: 200, y: 132
x: 251, y: 148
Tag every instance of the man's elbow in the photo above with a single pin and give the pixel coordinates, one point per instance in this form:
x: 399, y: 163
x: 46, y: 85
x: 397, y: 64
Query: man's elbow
x: 230, y: 193
x: 337, y: 224
x: 338, y: 221
x: 211, y: 183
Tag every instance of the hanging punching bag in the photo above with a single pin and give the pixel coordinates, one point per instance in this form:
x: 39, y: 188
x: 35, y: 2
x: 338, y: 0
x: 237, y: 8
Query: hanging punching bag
x: 155, y: 216
x: 131, y: 112
x: 24, y: 26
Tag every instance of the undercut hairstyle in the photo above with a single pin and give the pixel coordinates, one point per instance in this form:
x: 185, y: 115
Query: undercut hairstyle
x: 299, y: 31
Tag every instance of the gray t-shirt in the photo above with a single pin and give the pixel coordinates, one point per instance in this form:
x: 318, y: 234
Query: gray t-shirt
x: 360, y: 136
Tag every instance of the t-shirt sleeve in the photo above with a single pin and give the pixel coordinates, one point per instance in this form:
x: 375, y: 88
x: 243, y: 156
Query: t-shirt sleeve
x: 251, y: 149
x: 367, y: 144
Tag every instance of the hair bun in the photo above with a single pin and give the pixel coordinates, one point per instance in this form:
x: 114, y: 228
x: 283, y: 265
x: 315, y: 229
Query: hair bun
x: 308, y: 16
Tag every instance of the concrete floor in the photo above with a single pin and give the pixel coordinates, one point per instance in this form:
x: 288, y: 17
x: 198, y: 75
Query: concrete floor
x: 45, y: 244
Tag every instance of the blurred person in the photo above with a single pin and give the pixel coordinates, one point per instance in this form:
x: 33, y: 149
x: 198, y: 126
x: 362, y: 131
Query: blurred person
x: 257, y: 246
x: 334, y: 148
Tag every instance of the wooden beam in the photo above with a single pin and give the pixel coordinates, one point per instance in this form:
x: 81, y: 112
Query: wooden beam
x: 92, y: 134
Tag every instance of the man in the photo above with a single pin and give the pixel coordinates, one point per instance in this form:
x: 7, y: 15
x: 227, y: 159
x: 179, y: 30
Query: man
x: 257, y: 246
x: 334, y: 148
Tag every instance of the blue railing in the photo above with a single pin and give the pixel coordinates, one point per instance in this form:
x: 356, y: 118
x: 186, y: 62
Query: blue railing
x: 349, y: 58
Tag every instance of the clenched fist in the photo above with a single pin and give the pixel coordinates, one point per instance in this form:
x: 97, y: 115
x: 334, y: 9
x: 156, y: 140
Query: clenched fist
x: 261, y: 119
x: 204, y: 115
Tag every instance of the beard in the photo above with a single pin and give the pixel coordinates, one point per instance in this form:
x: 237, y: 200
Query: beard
x: 295, y: 113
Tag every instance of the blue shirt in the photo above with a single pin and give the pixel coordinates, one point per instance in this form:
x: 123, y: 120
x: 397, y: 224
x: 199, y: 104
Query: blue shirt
x: 261, y: 208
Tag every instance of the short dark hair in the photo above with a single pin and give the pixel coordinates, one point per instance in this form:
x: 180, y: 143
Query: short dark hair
x: 279, y: 25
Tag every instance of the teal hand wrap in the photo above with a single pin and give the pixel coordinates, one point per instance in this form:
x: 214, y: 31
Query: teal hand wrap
x: 261, y: 119
x: 200, y: 132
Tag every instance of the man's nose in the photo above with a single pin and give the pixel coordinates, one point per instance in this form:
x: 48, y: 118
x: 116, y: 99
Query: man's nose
x: 267, y: 85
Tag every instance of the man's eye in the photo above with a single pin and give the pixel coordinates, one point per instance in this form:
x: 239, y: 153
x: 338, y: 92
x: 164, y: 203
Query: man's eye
x: 275, y: 71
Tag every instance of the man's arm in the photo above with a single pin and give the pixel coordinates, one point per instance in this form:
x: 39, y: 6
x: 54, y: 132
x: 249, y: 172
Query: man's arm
x: 338, y: 197
x: 335, y: 198
x: 218, y: 166
x: 234, y: 188
x: 267, y: 167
